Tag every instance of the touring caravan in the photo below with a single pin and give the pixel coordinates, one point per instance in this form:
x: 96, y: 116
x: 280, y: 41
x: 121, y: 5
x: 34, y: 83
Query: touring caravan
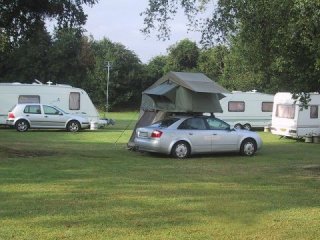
x: 291, y: 119
x: 247, y: 109
x: 68, y: 98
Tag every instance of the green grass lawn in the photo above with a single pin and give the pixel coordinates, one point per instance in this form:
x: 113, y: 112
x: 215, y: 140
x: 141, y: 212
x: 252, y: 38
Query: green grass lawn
x: 87, y: 185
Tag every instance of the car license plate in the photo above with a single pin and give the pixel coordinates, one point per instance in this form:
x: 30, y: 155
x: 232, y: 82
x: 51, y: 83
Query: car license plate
x: 283, y: 129
x: 143, y: 134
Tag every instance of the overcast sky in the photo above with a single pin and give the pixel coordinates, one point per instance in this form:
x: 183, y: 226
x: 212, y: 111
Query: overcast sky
x: 120, y: 21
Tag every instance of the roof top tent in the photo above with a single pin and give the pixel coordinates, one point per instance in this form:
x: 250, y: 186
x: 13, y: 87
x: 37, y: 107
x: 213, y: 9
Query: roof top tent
x: 68, y: 98
x: 291, y: 119
x: 247, y: 109
x: 179, y: 93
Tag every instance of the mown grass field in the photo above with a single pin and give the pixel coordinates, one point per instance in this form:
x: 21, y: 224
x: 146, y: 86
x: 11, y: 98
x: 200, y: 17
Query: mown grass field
x: 60, y: 185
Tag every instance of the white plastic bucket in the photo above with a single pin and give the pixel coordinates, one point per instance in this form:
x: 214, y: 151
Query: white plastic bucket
x: 93, y: 125
x: 308, y: 139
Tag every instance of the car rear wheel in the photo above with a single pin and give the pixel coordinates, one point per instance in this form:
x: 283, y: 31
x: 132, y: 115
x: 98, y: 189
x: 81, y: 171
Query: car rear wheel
x: 22, y: 125
x: 248, y: 147
x: 180, y: 150
x: 73, y: 126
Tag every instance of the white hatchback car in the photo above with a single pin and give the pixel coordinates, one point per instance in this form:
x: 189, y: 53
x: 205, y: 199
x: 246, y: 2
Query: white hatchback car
x: 186, y: 135
x: 32, y: 115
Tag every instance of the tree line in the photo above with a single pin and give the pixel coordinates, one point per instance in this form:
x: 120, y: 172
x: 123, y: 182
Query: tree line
x: 269, y: 46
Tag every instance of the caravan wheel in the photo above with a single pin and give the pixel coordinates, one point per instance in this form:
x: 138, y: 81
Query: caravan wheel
x: 238, y: 126
x: 247, y: 126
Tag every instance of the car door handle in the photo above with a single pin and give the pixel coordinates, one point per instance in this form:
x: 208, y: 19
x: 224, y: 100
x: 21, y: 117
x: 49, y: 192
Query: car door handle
x: 45, y: 116
x: 214, y: 134
x: 190, y: 133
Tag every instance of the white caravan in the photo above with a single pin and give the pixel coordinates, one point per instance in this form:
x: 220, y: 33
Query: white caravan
x: 290, y: 119
x: 68, y: 98
x: 246, y: 109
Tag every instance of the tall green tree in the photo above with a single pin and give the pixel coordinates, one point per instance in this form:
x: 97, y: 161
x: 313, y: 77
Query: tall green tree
x: 126, y: 71
x: 19, y: 19
x: 212, y: 61
x: 154, y: 70
x: 71, y: 57
x: 278, y: 40
x: 29, y: 61
x: 183, y: 56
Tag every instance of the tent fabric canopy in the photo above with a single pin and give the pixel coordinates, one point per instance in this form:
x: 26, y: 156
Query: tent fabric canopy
x: 183, y: 92
x: 161, y: 89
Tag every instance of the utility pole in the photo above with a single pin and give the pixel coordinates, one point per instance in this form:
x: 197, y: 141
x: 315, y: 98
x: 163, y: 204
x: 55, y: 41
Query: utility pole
x: 108, y: 79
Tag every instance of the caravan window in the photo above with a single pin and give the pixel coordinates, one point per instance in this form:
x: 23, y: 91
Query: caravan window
x: 267, y: 106
x: 285, y: 111
x: 74, y: 101
x: 314, y: 111
x: 236, y: 106
x: 29, y: 99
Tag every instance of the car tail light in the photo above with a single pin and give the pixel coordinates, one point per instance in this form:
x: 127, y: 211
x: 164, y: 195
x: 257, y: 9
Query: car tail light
x: 11, y: 115
x: 156, y: 134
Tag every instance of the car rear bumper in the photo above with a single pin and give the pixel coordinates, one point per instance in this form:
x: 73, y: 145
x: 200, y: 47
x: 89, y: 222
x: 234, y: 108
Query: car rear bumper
x: 150, y: 145
x: 10, y: 122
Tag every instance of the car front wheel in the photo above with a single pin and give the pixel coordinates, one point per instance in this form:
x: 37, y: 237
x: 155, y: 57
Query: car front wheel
x: 248, y: 147
x: 22, y: 125
x: 180, y: 150
x: 73, y: 126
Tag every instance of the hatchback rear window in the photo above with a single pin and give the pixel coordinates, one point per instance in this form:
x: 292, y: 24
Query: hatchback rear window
x: 165, y: 123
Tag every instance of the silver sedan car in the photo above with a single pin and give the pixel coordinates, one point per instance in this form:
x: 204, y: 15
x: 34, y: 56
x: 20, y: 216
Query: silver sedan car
x: 25, y: 116
x: 185, y: 135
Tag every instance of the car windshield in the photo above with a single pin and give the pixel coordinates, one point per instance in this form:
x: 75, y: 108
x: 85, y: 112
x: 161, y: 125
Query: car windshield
x: 165, y: 123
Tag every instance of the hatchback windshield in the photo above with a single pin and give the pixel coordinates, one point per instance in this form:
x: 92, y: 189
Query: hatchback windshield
x: 165, y: 123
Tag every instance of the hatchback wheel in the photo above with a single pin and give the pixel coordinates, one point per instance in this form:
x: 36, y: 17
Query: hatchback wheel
x: 22, y: 125
x: 73, y: 126
x: 181, y: 150
x: 248, y: 147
